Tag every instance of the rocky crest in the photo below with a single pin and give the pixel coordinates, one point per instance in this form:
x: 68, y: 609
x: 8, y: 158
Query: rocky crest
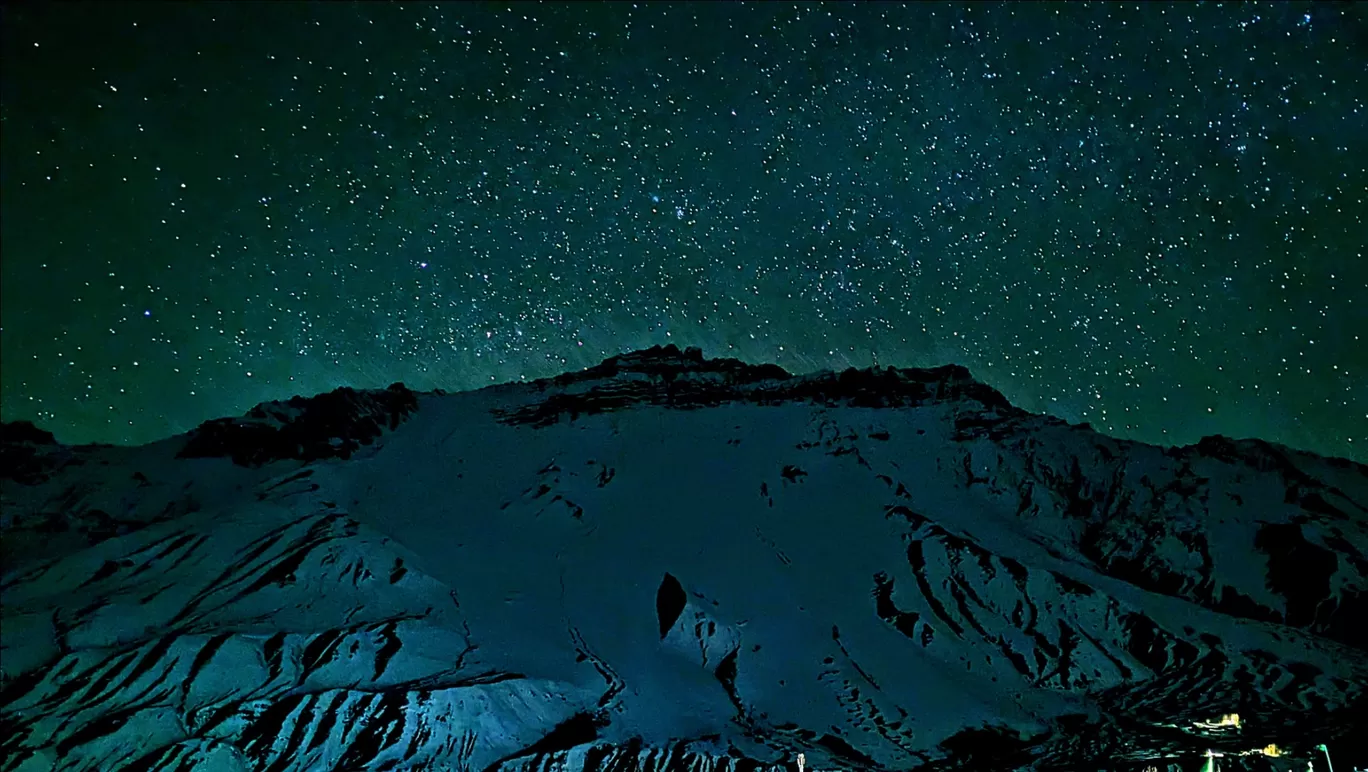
x: 667, y: 377
x: 331, y: 425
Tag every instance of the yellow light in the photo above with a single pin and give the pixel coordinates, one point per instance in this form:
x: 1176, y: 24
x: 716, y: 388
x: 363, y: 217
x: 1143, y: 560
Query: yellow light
x: 1224, y: 721
x: 1272, y: 750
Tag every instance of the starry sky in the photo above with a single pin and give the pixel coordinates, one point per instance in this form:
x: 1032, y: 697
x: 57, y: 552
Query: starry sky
x: 1150, y: 217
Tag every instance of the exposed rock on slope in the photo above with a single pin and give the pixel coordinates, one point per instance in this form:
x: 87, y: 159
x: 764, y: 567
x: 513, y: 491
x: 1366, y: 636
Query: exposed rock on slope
x: 331, y: 425
x: 670, y: 561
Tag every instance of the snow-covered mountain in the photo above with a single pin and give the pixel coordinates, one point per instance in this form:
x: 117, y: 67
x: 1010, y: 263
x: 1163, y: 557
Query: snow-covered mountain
x: 670, y: 562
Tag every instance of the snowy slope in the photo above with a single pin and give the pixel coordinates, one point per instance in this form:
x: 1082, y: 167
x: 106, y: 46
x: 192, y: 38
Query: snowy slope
x: 672, y: 561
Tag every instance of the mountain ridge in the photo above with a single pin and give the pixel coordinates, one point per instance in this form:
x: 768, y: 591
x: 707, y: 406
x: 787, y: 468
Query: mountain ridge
x: 1116, y: 596
x: 667, y: 361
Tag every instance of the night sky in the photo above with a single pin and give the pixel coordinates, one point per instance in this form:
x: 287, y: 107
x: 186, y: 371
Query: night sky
x: 1149, y: 217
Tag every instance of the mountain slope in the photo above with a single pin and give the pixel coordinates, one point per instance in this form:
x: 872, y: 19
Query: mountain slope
x: 669, y: 560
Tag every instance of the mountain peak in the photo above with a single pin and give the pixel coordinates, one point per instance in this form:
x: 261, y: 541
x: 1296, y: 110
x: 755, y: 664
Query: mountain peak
x: 671, y: 561
x: 669, y: 361
x: 686, y: 379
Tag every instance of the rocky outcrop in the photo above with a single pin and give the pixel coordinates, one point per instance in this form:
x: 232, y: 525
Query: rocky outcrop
x: 331, y: 425
x: 28, y: 455
x: 667, y: 377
